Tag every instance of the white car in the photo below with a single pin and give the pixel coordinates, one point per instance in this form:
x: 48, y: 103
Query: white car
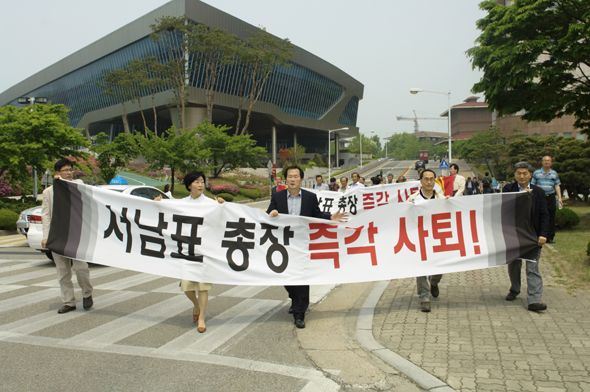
x: 35, y: 232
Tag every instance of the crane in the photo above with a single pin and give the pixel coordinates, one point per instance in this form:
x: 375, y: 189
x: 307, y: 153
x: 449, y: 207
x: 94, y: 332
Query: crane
x: 416, y: 118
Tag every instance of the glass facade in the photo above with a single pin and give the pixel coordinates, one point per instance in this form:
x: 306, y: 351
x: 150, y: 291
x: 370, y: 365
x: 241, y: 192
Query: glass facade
x: 348, y: 116
x: 295, y: 89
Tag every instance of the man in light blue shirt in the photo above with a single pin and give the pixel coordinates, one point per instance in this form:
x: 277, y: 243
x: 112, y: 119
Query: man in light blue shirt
x: 355, y: 181
x: 319, y: 185
x: 548, y: 180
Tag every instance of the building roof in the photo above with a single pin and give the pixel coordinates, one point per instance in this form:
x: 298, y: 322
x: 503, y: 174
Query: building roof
x: 469, y: 103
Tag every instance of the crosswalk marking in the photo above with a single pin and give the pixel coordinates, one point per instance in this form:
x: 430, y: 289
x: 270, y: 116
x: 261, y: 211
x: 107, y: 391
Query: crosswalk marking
x: 243, y: 291
x: 11, y: 241
x: 172, y: 288
x: 14, y: 268
x: 127, y: 282
x: 93, y: 275
x: 130, y: 324
x: 48, y: 319
x: 27, y: 299
x: 27, y: 276
x: 222, y: 327
x: 7, y: 288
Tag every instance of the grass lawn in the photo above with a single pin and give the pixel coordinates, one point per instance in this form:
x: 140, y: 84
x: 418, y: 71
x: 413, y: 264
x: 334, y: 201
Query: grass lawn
x: 569, y: 260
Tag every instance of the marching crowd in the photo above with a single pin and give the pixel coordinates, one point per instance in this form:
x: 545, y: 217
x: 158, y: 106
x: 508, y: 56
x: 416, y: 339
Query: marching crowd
x: 290, y: 198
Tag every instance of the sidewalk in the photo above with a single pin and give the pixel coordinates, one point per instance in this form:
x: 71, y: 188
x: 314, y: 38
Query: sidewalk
x: 474, y: 340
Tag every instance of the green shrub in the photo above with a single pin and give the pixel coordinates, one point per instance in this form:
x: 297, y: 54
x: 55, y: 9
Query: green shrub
x: 251, y: 193
x: 226, y: 196
x: 8, y: 219
x: 566, y: 218
x: 588, y: 249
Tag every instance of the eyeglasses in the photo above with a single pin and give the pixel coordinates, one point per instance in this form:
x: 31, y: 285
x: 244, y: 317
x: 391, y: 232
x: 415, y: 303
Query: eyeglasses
x: 66, y: 170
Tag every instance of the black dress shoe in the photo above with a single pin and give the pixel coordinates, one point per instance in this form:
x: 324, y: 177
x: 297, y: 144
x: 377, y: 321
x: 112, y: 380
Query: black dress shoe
x: 66, y: 309
x: 300, y: 323
x: 291, y: 310
x: 87, y: 303
x: 434, y: 290
x: 511, y: 296
x: 537, y: 307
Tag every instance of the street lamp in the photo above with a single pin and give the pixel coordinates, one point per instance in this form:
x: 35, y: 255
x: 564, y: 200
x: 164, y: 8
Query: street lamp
x: 419, y: 90
x: 32, y: 101
x: 361, y: 144
x: 329, y: 153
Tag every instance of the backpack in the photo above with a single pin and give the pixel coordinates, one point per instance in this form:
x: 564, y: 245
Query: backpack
x: 332, y: 186
x: 486, y: 182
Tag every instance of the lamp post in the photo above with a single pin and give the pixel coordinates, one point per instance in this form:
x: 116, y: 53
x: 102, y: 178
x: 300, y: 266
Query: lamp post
x: 329, y: 153
x: 419, y: 90
x: 31, y: 101
x: 361, y: 146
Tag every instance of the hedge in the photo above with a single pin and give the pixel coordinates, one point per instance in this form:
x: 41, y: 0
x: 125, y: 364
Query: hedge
x: 226, y: 196
x: 251, y: 193
x: 566, y: 218
x: 8, y: 219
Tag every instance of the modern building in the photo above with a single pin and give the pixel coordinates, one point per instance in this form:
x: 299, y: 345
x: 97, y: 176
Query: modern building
x: 299, y: 104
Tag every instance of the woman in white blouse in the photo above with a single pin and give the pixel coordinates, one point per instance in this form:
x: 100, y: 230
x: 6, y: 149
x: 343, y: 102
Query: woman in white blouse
x: 195, y: 184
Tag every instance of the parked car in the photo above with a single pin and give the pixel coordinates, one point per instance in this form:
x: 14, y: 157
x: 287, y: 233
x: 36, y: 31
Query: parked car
x: 35, y: 229
x: 147, y: 192
x: 35, y: 232
x: 22, y: 224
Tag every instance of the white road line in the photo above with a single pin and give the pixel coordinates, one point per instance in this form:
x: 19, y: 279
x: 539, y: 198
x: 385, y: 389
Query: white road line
x: 130, y: 324
x: 317, y: 381
x: 128, y: 282
x: 172, y: 288
x: 93, y: 275
x: 243, y: 291
x: 27, y: 299
x: 48, y: 319
x: 221, y: 328
x: 15, y: 267
x: 7, y: 288
x: 27, y: 276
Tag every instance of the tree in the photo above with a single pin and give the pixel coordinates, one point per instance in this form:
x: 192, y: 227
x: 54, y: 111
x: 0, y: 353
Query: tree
x: 228, y: 152
x: 114, y: 156
x: 571, y: 159
x: 297, y: 153
x: 137, y: 74
x: 154, y: 83
x: 285, y: 154
x: 535, y: 57
x: 116, y: 84
x: 260, y: 54
x: 35, y: 136
x: 214, y: 48
x: 180, y: 150
x: 174, y: 35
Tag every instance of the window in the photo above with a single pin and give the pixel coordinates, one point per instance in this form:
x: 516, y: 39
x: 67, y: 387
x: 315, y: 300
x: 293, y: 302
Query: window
x: 567, y: 134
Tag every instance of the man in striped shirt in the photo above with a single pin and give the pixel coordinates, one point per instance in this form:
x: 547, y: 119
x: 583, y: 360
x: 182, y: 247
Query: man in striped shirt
x: 548, y: 180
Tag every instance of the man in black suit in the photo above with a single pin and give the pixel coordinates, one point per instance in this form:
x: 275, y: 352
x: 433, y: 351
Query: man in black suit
x: 296, y: 201
x: 540, y: 217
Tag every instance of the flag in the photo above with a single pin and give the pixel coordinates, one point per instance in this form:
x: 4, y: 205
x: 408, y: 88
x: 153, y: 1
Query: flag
x: 446, y: 185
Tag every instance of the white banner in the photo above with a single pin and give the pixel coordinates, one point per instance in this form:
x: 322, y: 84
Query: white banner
x: 236, y: 244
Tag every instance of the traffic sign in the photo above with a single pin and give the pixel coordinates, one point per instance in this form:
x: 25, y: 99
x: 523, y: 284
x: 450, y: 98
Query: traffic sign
x: 443, y: 165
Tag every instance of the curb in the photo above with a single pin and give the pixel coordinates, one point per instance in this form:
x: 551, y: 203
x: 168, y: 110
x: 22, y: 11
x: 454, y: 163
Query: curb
x: 364, y: 334
x: 8, y: 232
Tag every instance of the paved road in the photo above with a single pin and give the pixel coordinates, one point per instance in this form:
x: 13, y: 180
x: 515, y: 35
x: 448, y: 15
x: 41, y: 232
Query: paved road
x: 139, y: 336
x: 134, y: 179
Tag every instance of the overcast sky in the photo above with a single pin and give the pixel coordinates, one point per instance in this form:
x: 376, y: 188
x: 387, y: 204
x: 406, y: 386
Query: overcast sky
x: 388, y: 45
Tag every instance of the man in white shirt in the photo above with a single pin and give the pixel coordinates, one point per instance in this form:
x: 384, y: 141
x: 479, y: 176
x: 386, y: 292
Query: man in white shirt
x: 64, y: 265
x: 425, y: 284
x: 319, y: 184
x: 459, y: 182
x: 389, y: 179
x: 343, y: 185
x: 355, y: 181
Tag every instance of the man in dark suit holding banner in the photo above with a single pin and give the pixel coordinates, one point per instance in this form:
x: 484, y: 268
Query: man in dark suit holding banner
x: 296, y: 201
x: 540, y: 218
